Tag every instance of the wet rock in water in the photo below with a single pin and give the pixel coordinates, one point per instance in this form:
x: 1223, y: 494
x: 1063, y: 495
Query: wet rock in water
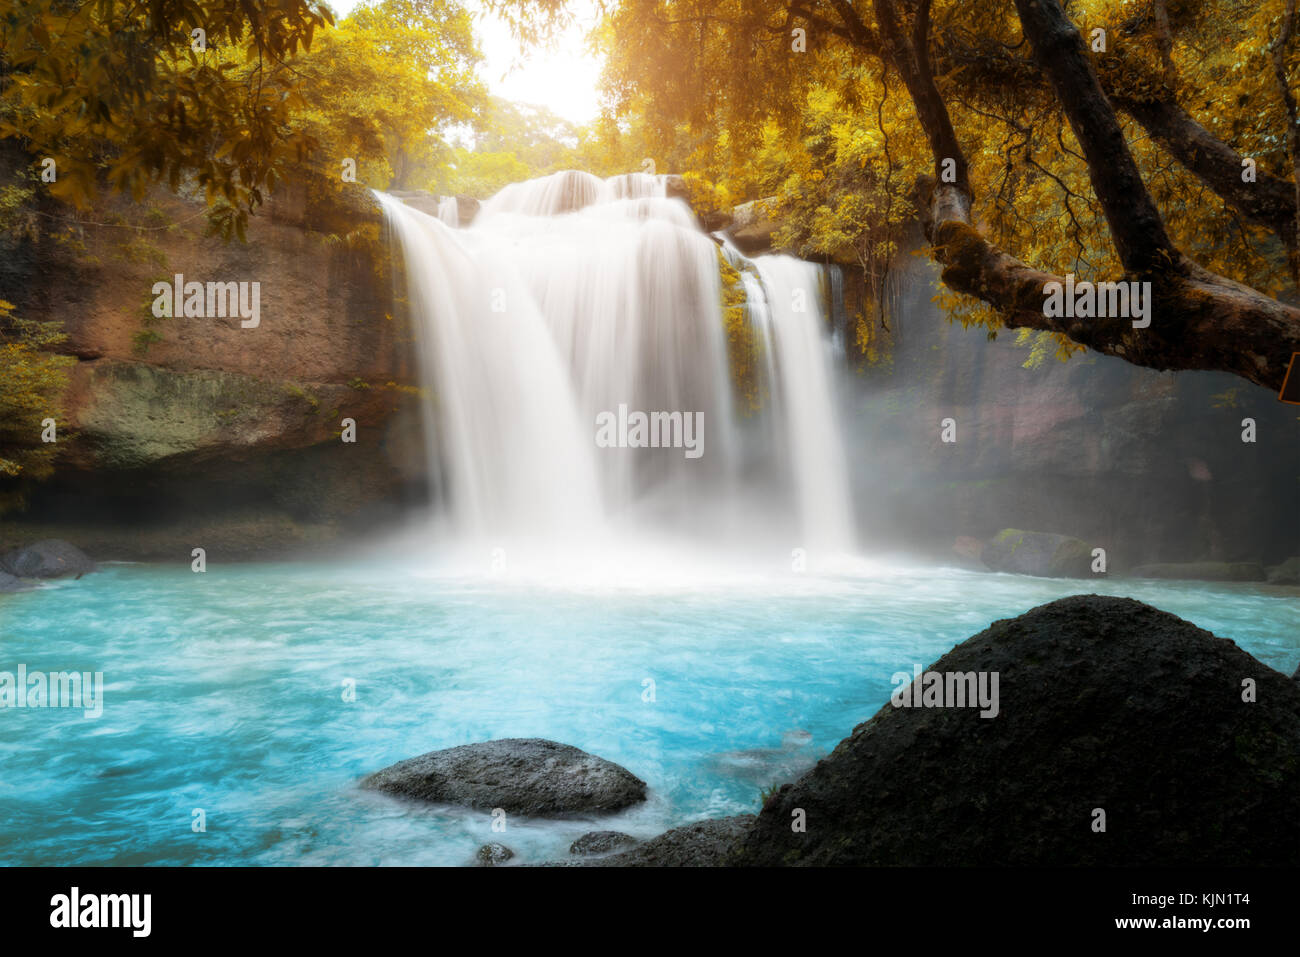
x: 51, y: 558
x: 1202, y: 571
x: 490, y: 855
x: 702, y: 844
x: 1105, y: 705
x: 602, y: 842
x: 1038, y: 553
x: 763, y: 766
x: 9, y: 583
x: 528, y: 776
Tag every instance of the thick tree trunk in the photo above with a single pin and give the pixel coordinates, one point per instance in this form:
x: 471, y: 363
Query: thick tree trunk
x: 1135, y: 224
x: 1198, y: 320
x: 1267, y: 202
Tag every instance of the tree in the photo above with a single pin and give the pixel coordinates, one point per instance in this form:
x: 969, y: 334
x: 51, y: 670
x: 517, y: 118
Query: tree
x: 381, y: 87
x: 32, y: 383
x: 143, y: 93
x: 1070, y: 182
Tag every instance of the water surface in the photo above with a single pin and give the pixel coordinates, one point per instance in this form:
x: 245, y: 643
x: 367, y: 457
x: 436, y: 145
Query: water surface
x: 225, y: 691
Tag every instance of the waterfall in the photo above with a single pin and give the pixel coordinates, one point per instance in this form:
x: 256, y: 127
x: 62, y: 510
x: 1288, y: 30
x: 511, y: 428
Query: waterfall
x: 573, y: 301
x: 449, y: 211
x: 804, y: 402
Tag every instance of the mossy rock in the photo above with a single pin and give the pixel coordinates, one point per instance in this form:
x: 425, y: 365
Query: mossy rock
x: 1044, y: 554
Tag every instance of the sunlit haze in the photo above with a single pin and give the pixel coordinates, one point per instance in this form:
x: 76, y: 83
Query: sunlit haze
x: 564, y: 77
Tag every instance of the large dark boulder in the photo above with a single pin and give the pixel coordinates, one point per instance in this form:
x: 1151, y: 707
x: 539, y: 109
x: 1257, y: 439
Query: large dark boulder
x: 1104, y: 703
x: 528, y: 776
x: 51, y: 558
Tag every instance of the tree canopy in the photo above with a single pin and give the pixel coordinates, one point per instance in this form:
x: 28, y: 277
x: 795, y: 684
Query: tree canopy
x: 1145, y: 140
x: 1152, y: 140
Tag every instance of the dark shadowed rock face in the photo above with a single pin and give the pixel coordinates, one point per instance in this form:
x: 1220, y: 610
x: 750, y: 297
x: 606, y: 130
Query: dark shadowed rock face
x: 51, y: 558
x: 702, y: 844
x: 520, y: 775
x: 1288, y: 573
x: 1103, y: 703
x: 602, y: 842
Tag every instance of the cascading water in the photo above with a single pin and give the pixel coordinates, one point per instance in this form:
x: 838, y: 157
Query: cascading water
x: 570, y: 298
x: 449, y: 210
x: 804, y: 405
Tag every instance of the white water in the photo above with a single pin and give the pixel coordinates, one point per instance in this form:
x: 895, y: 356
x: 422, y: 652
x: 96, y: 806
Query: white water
x: 449, y: 211
x: 570, y: 296
x: 796, y: 337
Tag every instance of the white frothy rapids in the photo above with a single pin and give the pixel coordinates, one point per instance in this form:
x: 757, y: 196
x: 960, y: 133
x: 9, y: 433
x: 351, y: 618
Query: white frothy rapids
x: 570, y: 296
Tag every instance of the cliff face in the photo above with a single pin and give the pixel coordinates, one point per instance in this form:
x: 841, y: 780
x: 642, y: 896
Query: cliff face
x: 1149, y: 465
x: 194, y: 431
x: 179, y: 424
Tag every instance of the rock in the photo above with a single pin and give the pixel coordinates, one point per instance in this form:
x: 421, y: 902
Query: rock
x: 215, y: 418
x: 467, y: 208
x: 602, y: 842
x: 49, y: 558
x: 702, y: 844
x: 1202, y: 571
x: 965, y: 553
x: 752, y: 226
x: 715, y: 220
x: 528, y: 776
x: 1038, y: 553
x: 9, y: 583
x: 1103, y: 703
x: 421, y: 199
x: 1288, y: 573
x: 490, y: 855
